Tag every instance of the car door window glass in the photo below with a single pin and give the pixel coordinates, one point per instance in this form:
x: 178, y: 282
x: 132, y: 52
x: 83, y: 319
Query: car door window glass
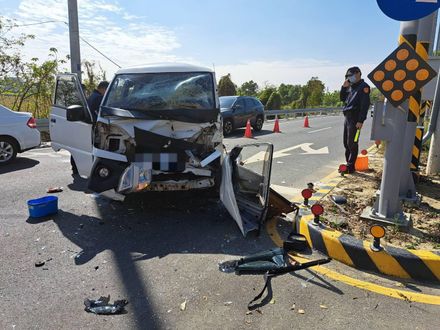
x: 256, y: 103
x: 240, y: 105
x: 67, y: 94
x: 249, y: 103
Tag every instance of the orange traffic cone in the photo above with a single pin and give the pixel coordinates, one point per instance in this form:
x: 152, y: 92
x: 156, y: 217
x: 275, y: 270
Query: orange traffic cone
x: 306, y: 121
x: 361, y: 163
x: 248, y: 131
x: 276, y: 126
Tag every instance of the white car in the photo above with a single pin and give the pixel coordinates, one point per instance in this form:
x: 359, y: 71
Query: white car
x: 18, y: 133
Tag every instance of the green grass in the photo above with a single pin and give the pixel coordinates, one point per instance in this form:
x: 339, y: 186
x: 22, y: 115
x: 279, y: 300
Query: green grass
x: 41, y: 110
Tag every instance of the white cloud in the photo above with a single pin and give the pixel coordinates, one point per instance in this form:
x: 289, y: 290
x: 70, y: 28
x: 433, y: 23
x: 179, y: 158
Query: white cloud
x: 126, y: 38
x: 294, y: 71
x: 129, y: 39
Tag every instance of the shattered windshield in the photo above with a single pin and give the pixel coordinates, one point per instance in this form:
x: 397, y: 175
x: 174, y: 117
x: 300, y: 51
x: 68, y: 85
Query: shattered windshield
x: 162, y: 91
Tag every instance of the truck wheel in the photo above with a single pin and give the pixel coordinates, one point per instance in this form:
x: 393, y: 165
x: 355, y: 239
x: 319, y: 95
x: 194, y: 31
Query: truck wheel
x: 8, y: 150
x: 258, y: 124
x: 228, y: 127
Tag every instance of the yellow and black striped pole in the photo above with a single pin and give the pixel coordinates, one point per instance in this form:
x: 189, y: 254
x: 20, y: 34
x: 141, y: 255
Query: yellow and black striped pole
x: 422, y: 48
x: 414, y: 100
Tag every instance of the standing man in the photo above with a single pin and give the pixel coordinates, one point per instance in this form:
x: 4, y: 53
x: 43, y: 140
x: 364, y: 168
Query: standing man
x: 94, y: 100
x: 355, y: 93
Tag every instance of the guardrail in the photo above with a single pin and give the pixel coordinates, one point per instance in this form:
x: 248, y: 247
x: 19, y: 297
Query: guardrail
x: 43, y: 124
x: 270, y: 114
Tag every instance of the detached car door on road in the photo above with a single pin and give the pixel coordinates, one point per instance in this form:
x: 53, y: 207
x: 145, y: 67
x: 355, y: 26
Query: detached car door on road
x: 245, y: 187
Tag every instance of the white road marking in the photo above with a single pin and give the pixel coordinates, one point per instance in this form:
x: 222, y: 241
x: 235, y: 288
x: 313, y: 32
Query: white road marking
x: 258, y: 157
x: 319, y: 130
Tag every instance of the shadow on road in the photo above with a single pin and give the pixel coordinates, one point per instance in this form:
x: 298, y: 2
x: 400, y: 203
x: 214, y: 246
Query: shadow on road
x: 20, y: 163
x: 152, y: 226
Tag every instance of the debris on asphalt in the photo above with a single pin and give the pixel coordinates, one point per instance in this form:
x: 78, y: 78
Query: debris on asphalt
x: 272, y: 301
x: 227, y: 303
x: 53, y: 190
x: 323, y: 306
x: 292, y: 308
x: 249, y: 313
x: 96, y: 267
x: 339, y: 199
x: 301, y: 311
x: 103, y: 307
x: 39, y: 263
x: 269, y: 263
x: 183, y: 306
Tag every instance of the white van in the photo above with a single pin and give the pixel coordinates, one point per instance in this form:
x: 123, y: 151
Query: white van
x: 159, y: 129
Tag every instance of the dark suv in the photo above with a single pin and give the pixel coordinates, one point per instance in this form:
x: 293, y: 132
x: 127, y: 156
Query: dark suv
x: 236, y: 110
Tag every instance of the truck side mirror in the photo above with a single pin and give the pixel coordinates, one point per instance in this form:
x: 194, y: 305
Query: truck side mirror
x: 75, y: 113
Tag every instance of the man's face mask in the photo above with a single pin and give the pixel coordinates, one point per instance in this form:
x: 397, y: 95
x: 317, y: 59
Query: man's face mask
x: 351, y: 78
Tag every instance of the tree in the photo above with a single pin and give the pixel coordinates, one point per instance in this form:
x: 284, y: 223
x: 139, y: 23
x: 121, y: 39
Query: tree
x: 11, y: 59
x: 331, y: 99
x: 376, y: 95
x: 313, y: 93
x: 226, y: 87
x: 25, y: 85
x: 274, y: 101
x: 36, y: 84
x: 248, y: 88
x: 93, y: 77
x: 289, y: 93
x: 265, y: 93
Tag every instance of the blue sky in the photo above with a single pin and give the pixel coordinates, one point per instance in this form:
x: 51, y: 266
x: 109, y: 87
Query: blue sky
x: 267, y: 41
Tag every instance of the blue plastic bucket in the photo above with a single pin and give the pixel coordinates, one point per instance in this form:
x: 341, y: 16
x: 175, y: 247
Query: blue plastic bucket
x: 43, y: 206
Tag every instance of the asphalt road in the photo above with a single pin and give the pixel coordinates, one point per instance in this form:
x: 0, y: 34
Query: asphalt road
x: 161, y: 251
x: 295, y: 168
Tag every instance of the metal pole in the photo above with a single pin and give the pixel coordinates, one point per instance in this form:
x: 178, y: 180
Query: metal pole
x: 433, y: 33
x: 75, y: 55
x: 389, y: 202
x: 433, y: 165
x: 408, y: 34
x: 434, y: 112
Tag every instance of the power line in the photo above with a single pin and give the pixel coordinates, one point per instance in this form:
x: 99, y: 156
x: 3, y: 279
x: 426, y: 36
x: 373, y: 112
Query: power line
x: 36, y: 23
x: 88, y: 43
x: 108, y: 58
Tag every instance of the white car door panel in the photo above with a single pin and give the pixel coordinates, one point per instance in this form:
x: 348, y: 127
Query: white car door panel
x: 245, y: 187
x: 76, y: 137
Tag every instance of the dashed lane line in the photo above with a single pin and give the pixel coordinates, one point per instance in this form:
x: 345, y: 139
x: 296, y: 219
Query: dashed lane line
x: 319, y: 130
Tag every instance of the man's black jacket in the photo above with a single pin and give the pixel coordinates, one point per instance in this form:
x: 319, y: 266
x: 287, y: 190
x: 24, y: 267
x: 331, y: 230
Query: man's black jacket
x: 356, y: 100
x: 94, y: 102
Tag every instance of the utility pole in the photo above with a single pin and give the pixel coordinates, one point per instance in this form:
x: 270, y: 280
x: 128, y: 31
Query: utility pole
x: 433, y: 165
x: 75, y: 55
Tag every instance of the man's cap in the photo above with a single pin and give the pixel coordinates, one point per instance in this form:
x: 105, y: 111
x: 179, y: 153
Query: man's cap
x: 354, y: 69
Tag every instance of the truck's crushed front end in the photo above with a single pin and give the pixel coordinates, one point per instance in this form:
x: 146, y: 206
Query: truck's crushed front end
x: 158, y: 131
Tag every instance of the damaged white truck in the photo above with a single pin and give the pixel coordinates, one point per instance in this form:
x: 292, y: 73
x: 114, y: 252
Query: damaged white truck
x: 159, y: 129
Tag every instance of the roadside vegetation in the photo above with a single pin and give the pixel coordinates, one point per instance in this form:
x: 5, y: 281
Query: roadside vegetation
x: 28, y: 85
x: 286, y: 96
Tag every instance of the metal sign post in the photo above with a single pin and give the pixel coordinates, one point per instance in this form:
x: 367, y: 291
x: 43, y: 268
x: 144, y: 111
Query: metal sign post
x: 399, y: 77
x: 413, y: 134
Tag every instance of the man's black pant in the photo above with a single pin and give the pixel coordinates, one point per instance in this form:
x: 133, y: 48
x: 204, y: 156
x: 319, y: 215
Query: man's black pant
x: 351, y: 147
